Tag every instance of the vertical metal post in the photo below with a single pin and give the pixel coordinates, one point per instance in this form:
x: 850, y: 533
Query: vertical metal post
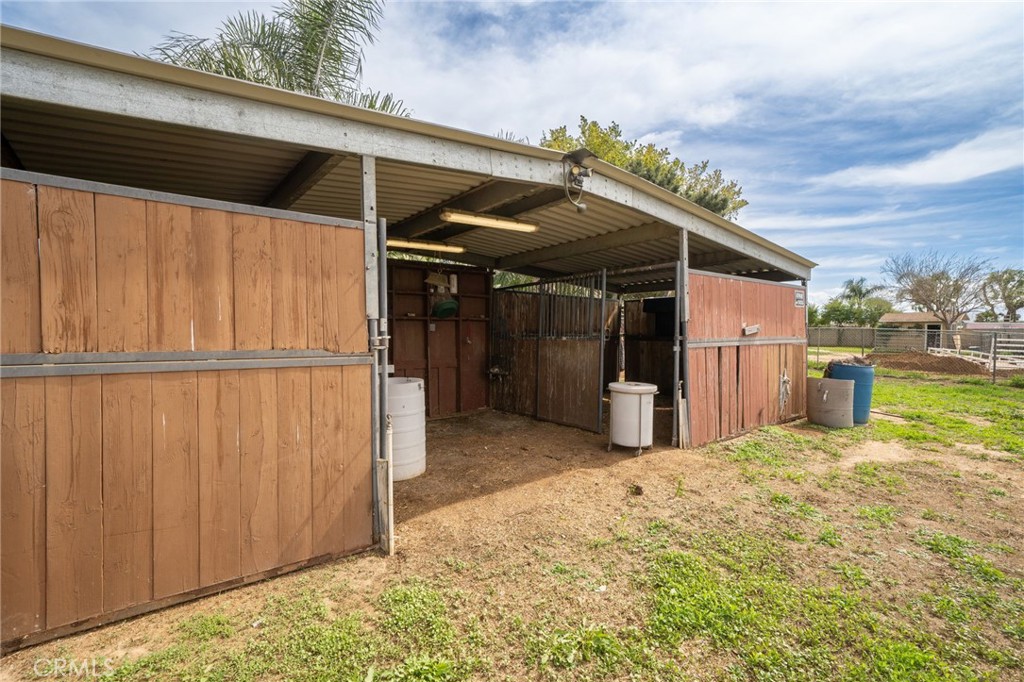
x: 383, y: 336
x: 371, y: 260
x: 600, y: 354
x: 995, y: 351
x: 684, y: 260
x: 676, y: 341
x: 540, y: 336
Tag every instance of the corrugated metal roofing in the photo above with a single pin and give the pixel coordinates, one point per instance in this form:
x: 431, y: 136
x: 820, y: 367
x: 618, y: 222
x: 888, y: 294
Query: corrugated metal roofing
x: 125, y: 151
x: 403, y: 190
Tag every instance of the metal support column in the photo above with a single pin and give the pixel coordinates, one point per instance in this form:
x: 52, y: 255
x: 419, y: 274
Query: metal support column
x: 683, y: 291
x: 384, y: 460
x: 375, y: 282
x: 676, y: 344
x: 600, y: 355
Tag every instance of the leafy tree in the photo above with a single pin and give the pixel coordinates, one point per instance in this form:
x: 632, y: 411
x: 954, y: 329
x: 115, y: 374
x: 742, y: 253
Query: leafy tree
x: 987, y: 316
x: 873, y: 309
x: 837, y: 313
x: 948, y: 286
x: 856, y: 305
x: 1004, y: 288
x: 310, y: 46
x: 696, y: 182
x: 813, y: 316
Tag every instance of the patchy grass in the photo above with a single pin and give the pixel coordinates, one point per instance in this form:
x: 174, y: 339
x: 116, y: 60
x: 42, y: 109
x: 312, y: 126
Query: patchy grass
x: 878, y: 515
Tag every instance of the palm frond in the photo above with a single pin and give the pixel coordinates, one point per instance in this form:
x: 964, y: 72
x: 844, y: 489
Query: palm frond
x: 379, y: 101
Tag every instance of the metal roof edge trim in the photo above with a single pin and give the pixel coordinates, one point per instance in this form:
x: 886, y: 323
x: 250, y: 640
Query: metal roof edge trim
x: 88, y: 55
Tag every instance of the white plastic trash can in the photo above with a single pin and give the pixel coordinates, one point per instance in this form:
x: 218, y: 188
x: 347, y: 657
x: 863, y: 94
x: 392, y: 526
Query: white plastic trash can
x: 408, y: 427
x: 632, y: 415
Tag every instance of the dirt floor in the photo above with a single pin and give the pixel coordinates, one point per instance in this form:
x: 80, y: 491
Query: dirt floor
x: 505, y: 498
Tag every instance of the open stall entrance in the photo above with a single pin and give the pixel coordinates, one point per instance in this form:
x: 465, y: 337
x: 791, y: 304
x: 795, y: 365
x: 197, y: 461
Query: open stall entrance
x: 547, y: 341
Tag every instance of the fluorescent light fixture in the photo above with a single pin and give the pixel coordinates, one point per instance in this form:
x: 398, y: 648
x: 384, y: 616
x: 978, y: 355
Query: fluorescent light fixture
x: 480, y: 220
x: 425, y: 246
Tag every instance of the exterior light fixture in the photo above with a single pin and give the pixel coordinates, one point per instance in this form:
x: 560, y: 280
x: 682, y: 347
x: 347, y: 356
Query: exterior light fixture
x: 480, y: 220
x: 425, y: 246
x: 573, y: 176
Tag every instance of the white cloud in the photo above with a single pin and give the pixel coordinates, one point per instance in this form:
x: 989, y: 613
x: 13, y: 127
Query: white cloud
x: 700, y: 65
x: 803, y: 221
x: 990, y: 152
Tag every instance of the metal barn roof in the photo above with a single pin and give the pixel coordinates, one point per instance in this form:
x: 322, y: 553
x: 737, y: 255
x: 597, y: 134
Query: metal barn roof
x: 83, y: 112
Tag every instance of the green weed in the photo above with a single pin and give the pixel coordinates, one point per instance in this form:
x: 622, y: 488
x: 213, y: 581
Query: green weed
x: 878, y: 516
x: 852, y: 573
x: 830, y: 536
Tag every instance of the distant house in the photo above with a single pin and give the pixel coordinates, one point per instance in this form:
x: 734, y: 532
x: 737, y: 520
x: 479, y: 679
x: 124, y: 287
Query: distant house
x: 925, y: 321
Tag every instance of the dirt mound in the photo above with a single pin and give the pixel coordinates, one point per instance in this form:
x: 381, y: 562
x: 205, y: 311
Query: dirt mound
x: 926, y: 362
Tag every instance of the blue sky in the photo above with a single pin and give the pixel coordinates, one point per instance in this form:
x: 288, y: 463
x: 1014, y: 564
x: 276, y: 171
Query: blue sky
x: 858, y: 130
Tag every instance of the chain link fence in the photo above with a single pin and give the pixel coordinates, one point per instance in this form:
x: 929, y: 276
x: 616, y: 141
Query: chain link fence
x: 994, y: 353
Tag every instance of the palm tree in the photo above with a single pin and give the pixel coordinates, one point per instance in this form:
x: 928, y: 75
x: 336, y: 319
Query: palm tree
x: 857, y: 291
x: 310, y: 46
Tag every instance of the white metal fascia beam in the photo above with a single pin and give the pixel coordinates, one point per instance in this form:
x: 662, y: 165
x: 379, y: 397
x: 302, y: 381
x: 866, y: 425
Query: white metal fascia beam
x: 37, y: 78
x: 42, y: 79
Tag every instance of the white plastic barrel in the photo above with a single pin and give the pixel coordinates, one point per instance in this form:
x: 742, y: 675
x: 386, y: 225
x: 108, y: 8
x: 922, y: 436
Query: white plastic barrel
x: 408, y: 427
x: 632, y: 413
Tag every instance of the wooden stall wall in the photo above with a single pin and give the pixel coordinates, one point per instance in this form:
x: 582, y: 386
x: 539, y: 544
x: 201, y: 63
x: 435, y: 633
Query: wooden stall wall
x: 124, y: 492
x: 736, y: 380
x: 740, y: 382
x: 514, y: 352
x: 449, y: 354
x: 547, y: 354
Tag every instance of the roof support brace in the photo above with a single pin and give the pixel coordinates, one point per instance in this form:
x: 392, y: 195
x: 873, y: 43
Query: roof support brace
x: 604, y: 242
x: 313, y: 167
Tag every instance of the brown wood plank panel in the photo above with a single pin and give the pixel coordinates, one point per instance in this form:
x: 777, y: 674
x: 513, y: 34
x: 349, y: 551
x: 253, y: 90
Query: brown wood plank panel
x: 352, y: 294
x: 314, y: 286
x: 357, y: 490
x: 294, y: 456
x: 330, y: 274
x: 213, y: 294
x: 253, y: 275
x: 291, y: 320
x: 473, y: 379
x: 697, y: 397
x: 170, y: 262
x: 175, y: 484
x: 20, y: 330
x: 127, y: 490
x: 329, y: 446
x: 569, y: 382
x: 727, y: 382
x: 74, y: 494
x: 711, y: 423
x: 67, y: 237
x: 122, y: 277
x: 23, y: 526
x: 258, y: 423
x: 220, y: 510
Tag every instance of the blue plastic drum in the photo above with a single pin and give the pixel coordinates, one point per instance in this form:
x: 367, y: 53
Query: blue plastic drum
x: 863, y: 377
